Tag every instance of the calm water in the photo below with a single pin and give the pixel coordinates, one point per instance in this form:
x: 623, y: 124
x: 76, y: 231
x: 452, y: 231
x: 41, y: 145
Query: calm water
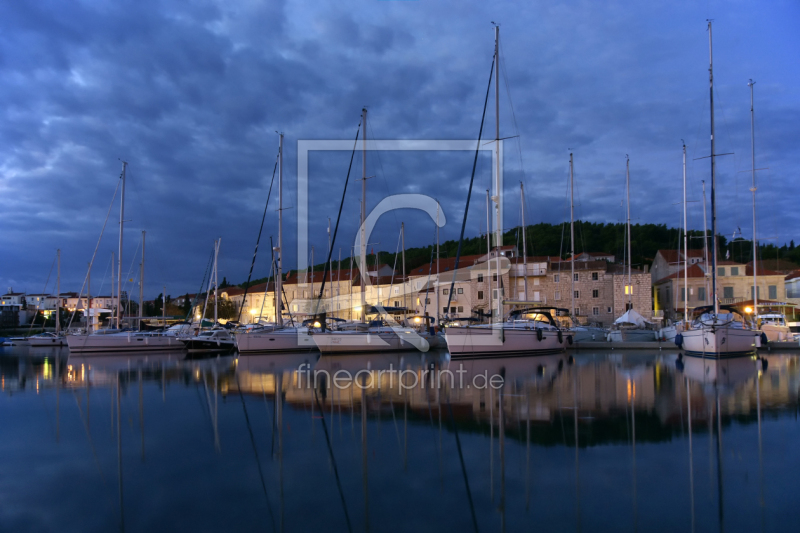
x: 601, y: 442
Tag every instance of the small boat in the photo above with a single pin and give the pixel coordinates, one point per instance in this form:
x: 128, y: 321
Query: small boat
x: 218, y: 340
x: 632, y: 327
x: 774, y: 326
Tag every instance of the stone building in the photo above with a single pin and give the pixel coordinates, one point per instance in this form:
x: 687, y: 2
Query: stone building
x: 734, y: 286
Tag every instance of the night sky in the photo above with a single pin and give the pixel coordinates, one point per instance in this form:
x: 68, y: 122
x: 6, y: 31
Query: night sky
x: 191, y: 94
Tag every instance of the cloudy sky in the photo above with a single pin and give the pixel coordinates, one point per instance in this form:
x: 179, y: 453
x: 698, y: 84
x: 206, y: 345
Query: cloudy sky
x: 191, y: 94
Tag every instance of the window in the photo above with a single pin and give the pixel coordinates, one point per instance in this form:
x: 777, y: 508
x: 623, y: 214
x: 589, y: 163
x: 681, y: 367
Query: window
x: 577, y: 294
x: 494, y: 277
x: 557, y: 295
x: 445, y: 291
x: 480, y: 278
x: 595, y: 311
x: 577, y: 311
x: 444, y: 310
x: 460, y: 291
x: 720, y: 271
x: 460, y: 308
x: 452, y: 309
x: 609, y: 310
x: 701, y: 294
x: 683, y: 294
x: 535, y: 281
x: 595, y: 293
x: 537, y: 296
x: 480, y: 295
x: 556, y: 278
x: 575, y: 277
x: 397, y: 290
x: 594, y: 276
x: 396, y: 303
x: 629, y: 289
x: 758, y: 292
x: 734, y: 271
x: 773, y: 292
x: 727, y: 292
x: 427, y: 300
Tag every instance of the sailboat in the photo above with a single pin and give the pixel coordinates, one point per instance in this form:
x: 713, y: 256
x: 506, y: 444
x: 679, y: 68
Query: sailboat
x: 669, y: 332
x: 772, y: 323
x: 116, y: 340
x: 631, y: 326
x: 57, y: 338
x: 718, y: 331
x: 216, y: 339
x: 579, y: 332
x: 367, y: 336
x: 277, y: 337
x: 526, y: 330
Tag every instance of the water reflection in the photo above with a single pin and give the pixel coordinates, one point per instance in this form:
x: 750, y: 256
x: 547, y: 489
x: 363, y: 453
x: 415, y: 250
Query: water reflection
x: 585, y: 442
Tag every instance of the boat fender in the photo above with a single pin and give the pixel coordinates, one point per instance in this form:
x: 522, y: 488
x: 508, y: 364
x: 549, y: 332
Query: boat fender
x: 539, y: 334
x: 679, y: 340
x: 764, y: 339
x: 569, y: 340
x: 560, y: 337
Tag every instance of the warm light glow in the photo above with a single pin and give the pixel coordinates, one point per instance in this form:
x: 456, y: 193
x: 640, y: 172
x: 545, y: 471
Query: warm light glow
x: 357, y: 308
x: 418, y: 320
x: 317, y: 325
x: 748, y: 310
x: 253, y: 312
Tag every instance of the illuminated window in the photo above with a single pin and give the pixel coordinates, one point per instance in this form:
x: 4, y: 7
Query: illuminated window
x: 628, y: 289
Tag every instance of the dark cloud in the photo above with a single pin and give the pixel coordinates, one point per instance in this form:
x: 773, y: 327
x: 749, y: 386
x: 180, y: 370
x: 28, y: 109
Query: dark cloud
x: 191, y: 94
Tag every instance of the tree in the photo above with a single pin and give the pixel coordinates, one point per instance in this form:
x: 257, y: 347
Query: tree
x: 224, y: 283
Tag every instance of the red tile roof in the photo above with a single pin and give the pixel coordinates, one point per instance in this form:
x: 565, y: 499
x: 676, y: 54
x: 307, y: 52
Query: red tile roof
x: 694, y: 271
x: 445, y: 264
x: 671, y: 256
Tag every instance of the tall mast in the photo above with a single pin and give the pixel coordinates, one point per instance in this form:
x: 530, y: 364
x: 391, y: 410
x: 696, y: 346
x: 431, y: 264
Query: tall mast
x: 498, y: 241
x: 403, y: 279
x: 489, y: 251
x: 685, y: 247
x: 713, y: 176
x: 338, y: 281
x: 216, y: 283
x: 112, y: 281
x: 363, y: 251
x: 312, y: 273
x: 141, y: 285
x: 753, y: 190
x: 705, y: 238
x: 630, y: 261
x: 437, y: 263
x: 524, y: 240
x: 58, y: 294
x: 164, y: 309
x: 89, y: 297
x: 572, y: 235
x: 330, y: 265
x: 119, y: 258
x: 279, y: 277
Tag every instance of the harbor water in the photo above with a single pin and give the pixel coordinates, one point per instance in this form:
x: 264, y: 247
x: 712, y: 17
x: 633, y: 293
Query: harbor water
x: 590, y: 441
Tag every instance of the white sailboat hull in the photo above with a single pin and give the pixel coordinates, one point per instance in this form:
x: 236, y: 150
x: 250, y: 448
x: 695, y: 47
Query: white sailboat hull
x: 280, y: 340
x: 122, y: 342
x: 588, y: 334
x: 719, y: 341
x: 349, y: 342
x: 503, y: 342
x: 47, y: 341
